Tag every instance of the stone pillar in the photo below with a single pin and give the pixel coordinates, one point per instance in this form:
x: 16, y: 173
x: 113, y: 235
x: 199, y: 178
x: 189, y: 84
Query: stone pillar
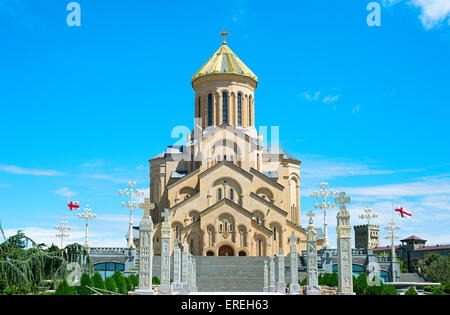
x: 281, y: 284
x: 344, y: 247
x: 177, y: 286
x: 194, y: 274
x: 145, y: 256
x: 272, y: 282
x: 184, y: 268
x: 189, y: 272
x: 266, y: 277
x: 294, y: 287
x: 313, y: 287
x: 165, y: 288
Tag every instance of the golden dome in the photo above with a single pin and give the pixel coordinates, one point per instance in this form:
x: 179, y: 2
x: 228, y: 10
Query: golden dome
x: 224, y: 61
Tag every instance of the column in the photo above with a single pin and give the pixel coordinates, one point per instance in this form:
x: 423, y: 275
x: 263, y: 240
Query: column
x: 272, y: 283
x: 184, y: 267
x: 344, y: 247
x: 313, y: 287
x: 294, y: 287
x: 165, y: 288
x: 266, y: 277
x: 177, y: 286
x: 145, y: 256
x: 281, y: 284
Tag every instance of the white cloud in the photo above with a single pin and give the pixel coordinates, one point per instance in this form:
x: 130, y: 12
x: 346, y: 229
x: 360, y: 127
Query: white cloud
x: 433, y: 13
x: 319, y: 168
x: 94, y: 163
x: 22, y: 171
x: 330, y: 99
x: 65, y: 192
x: 424, y: 187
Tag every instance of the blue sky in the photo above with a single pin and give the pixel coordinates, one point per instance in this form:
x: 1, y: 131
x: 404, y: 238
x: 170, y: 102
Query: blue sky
x: 84, y: 108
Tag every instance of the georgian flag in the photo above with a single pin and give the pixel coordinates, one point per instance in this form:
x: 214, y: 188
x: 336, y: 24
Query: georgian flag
x: 403, y: 212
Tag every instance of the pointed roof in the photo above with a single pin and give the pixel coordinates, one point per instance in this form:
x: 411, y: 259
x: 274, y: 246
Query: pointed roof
x: 225, y: 61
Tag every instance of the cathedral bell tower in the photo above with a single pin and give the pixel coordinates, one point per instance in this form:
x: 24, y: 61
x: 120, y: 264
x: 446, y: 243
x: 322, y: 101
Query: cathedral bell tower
x: 224, y: 92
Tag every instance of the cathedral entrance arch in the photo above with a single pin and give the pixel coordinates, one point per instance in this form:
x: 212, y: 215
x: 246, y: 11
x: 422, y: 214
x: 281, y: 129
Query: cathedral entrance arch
x: 226, y: 250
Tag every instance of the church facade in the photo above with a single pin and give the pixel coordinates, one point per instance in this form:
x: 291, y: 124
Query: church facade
x: 228, y: 194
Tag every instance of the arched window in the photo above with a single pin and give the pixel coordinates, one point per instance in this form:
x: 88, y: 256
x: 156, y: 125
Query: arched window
x: 231, y: 194
x: 199, y: 107
x: 226, y: 225
x: 239, y: 109
x: 219, y: 194
x: 210, y: 110
x: 259, y: 248
x: 224, y: 107
x: 274, y: 233
x: 220, y: 228
x: 192, y: 246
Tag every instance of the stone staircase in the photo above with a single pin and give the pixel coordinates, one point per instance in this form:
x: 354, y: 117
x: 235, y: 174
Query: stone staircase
x: 230, y: 274
x: 411, y: 277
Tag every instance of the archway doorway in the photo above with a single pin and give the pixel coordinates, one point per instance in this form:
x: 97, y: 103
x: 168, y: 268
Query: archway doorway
x: 226, y: 250
x: 242, y: 253
x: 210, y: 253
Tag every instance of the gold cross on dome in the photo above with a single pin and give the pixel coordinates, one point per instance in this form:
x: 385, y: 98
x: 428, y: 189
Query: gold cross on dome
x: 224, y: 34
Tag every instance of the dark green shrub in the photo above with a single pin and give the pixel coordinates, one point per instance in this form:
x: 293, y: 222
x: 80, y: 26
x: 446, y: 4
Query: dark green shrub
x: 65, y: 289
x: 361, y: 284
x: 110, y: 284
x: 389, y: 290
x: 411, y: 291
x: 86, y: 281
x: 155, y: 280
x: 98, y: 281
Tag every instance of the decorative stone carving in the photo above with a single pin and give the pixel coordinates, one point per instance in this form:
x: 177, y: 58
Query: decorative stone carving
x: 184, y: 268
x: 272, y: 283
x: 344, y: 247
x: 294, y: 287
x: 145, y: 256
x: 165, y: 288
x: 281, y: 284
x: 313, y: 287
x: 266, y: 277
x: 177, y: 286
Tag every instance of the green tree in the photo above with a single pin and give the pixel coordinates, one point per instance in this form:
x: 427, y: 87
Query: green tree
x: 303, y: 282
x: 110, y: 284
x: 389, y: 290
x: 361, y: 284
x: 86, y: 281
x: 375, y: 289
x: 134, y: 281
x: 155, y: 280
x: 438, y: 291
x: 120, y: 282
x: 129, y: 285
x: 438, y: 269
x: 411, y: 291
x: 65, y: 289
x: 98, y: 281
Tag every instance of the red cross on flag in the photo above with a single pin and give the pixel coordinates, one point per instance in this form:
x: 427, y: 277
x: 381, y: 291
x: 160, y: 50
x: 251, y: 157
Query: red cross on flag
x: 73, y: 205
x: 403, y: 212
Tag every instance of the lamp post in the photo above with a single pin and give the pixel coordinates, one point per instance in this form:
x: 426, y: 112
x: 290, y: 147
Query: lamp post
x: 131, y: 192
x: 87, y: 215
x: 62, y: 228
x: 392, y: 228
x: 324, y: 194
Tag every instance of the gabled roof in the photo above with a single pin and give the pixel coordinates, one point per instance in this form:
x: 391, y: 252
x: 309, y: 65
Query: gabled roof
x: 268, y: 204
x: 413, y: 238
x: 229, y: 203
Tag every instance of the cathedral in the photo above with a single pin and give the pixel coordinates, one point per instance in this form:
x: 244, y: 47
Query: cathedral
x: 226, y: 192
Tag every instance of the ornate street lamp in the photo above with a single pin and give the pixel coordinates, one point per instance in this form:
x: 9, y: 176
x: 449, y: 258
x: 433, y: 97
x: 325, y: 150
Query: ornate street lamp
x: 324, y: 194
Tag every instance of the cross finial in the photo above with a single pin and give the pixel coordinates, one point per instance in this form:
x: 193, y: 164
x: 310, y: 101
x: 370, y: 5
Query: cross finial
x: 147, y: 206
x: 310, y: 214
x: 166, y: 215
x: 224, y: 33
x: 342, y: 200
x: 293, y: 238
